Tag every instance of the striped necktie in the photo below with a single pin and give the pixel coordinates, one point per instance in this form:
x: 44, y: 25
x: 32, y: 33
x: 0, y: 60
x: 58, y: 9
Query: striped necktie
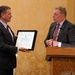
x: 55, y: 35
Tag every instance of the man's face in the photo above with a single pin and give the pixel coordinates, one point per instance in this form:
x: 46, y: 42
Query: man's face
x: 57, y: 16
x: 7, y: 16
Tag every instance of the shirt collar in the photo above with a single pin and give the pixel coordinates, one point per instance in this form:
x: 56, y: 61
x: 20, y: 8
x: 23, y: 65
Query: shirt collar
x: 4, y: 24
x: 61, y: 23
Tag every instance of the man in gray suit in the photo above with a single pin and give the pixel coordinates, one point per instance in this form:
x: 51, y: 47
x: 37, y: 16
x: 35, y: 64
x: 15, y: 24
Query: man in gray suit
x: 64, y: 35
x: 7, y: 43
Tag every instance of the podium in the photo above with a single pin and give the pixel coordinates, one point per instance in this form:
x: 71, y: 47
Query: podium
x: 63, y: 60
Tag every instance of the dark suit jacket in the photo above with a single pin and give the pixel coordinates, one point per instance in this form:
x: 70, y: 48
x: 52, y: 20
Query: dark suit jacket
x: 66, y: 34
x: 7, y: 49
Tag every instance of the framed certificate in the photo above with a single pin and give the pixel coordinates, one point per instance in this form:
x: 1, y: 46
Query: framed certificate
x: 26, y: 38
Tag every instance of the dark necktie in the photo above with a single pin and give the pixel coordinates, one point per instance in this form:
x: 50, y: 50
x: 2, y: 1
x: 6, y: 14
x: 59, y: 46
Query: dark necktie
x: 8, y: 28
x: 56, y: 32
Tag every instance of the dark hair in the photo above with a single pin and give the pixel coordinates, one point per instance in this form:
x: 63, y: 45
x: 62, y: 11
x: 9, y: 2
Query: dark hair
x: 62, y: 10
x: 3, y: 9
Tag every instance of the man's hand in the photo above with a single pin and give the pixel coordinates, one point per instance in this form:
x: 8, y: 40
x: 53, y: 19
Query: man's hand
x: 23, y: 49
x: 52, y: 43
x: 49, y: 42
x: 55, y: 43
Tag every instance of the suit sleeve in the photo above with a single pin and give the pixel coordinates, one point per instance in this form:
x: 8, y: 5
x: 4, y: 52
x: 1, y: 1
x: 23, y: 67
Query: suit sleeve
x: 48, y: 35
x: 6, y: 48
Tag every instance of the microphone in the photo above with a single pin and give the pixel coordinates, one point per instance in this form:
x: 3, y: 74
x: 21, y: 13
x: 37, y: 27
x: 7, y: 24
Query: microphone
x: 61, y: 28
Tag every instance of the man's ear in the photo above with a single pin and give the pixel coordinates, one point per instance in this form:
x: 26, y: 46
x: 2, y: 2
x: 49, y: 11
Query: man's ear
x: 2, y: 15
x: 63, y: 15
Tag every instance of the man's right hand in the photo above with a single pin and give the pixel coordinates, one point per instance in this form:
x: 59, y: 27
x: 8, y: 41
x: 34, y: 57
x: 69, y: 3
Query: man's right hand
x: 23, y: 49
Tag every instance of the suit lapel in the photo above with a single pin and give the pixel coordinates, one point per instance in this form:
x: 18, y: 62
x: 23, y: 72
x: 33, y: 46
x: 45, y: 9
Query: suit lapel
x: 62, y: 29
x: 5, y: 31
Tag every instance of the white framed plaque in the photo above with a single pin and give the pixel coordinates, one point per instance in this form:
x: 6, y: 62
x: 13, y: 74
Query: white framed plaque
x: 26, y: 39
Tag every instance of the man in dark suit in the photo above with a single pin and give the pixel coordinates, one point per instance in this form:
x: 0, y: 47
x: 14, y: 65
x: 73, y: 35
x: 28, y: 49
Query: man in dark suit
x: 64, y: 36
x: 7, y: 43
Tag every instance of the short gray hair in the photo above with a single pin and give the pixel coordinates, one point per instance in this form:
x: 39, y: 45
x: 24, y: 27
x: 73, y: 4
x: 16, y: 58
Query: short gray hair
x: 62, y: 10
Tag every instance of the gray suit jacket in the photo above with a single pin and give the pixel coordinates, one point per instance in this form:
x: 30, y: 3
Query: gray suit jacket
x: 66, y: 34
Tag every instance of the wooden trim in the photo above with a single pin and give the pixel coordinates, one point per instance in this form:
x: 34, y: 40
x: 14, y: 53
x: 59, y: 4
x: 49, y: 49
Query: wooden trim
x: 60, y: 52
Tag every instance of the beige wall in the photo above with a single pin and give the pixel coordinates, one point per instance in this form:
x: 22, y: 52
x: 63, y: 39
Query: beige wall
x: 35, y: 14
x: 71, y: 10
